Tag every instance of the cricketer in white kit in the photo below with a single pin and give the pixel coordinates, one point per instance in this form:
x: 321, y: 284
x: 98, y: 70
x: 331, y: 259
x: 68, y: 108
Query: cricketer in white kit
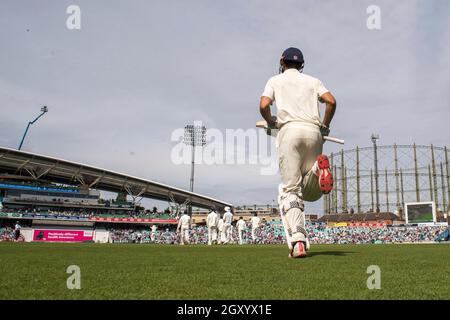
x: 220, y: 233
x: 305, y: 171
x: 255, y: 225
x: 153, y: 233
x: 183, y: 225
x: 212, y: 220
x: 240, y: 225
x: 227, y: 220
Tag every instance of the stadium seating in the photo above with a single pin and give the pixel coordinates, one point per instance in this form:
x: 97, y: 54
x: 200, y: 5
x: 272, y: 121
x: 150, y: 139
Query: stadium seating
x: 319, y: 233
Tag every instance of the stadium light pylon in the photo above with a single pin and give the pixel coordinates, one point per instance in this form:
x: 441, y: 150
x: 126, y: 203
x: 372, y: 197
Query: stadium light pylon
x: 44, y: 110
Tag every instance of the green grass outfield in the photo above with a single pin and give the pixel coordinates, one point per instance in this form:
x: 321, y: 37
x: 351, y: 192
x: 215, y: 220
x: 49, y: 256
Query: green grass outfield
x: 126, y: 271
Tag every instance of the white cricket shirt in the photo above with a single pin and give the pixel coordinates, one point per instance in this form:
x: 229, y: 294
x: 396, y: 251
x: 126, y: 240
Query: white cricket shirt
x: 255, y: 222
x: 228, y: 217
x: 220, y: 225
x: 212, y: 219
x: 185, y: 221
x: 296, y: 96
x: 240, y: 225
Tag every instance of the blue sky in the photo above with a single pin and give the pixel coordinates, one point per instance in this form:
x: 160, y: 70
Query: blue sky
x: 137, y: 70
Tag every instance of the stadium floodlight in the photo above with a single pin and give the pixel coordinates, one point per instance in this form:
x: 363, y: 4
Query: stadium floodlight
x: 44, y: 110
x: 374, y: 138
x: 194, y: 135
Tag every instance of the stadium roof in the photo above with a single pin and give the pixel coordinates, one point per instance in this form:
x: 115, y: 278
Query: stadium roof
x: 26, y: 165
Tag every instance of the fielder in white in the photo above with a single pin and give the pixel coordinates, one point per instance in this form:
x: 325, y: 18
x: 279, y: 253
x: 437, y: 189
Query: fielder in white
x: 227, y: 220
x: 220, y: 234
x: 212, y: 220
x: 153, y: 233
x: 255, y: 225
x: 305, y: 171
x: 184, y: 224
x: 240, y: 225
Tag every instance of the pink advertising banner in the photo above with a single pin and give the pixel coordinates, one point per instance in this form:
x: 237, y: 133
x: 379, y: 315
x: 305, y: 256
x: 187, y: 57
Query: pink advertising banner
x: 135, y: 220
x: 49, y: 235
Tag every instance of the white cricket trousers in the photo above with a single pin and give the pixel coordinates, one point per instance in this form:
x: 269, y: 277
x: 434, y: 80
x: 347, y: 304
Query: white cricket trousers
x: 184, y: 235
x: 241, y: 236
x: 212, y: 235
x: 226, y: 233
x: 221, y: 235
x: 254, y: 234
x: 298, y: 146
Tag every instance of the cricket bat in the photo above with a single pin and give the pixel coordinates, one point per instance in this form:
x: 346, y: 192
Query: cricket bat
x: 273, y: 132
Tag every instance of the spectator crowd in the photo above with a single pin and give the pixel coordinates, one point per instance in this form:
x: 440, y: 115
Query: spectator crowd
x: 273, y: 233
x: 6, y: 233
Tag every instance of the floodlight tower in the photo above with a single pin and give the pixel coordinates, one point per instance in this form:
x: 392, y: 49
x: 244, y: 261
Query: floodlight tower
x: 375, y: 137
x: 194, y: 135
x: 44, y: 109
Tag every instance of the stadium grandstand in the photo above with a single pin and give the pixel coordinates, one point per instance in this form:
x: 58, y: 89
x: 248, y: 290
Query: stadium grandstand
x: 20, y: 165
x: 57, y: 200
x: 50, y: 195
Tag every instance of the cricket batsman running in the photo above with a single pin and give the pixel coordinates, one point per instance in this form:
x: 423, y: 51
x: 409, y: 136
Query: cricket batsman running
x: 305, y: 171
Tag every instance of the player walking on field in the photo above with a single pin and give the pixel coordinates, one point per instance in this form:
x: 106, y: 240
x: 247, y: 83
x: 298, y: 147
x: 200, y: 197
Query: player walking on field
x: 153, y: 233
x: 227, y: 220
x: 220, y: 233
x: 183, y: 225
x: 240, y: 225
x: 17, y: 228
x: 212, y: 221
x: 255, y: 225
x: 305, y: 171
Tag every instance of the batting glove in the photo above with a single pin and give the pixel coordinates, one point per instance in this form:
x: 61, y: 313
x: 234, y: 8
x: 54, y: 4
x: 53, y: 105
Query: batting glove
x: 324, y: 130
x: 273, y: 125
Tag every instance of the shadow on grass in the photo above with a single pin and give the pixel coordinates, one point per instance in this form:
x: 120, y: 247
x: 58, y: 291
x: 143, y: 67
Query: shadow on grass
x: 330, y: 253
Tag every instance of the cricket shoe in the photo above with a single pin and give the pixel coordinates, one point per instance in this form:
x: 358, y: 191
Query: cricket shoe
x: 325, y: 175
x: 298, y: 250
